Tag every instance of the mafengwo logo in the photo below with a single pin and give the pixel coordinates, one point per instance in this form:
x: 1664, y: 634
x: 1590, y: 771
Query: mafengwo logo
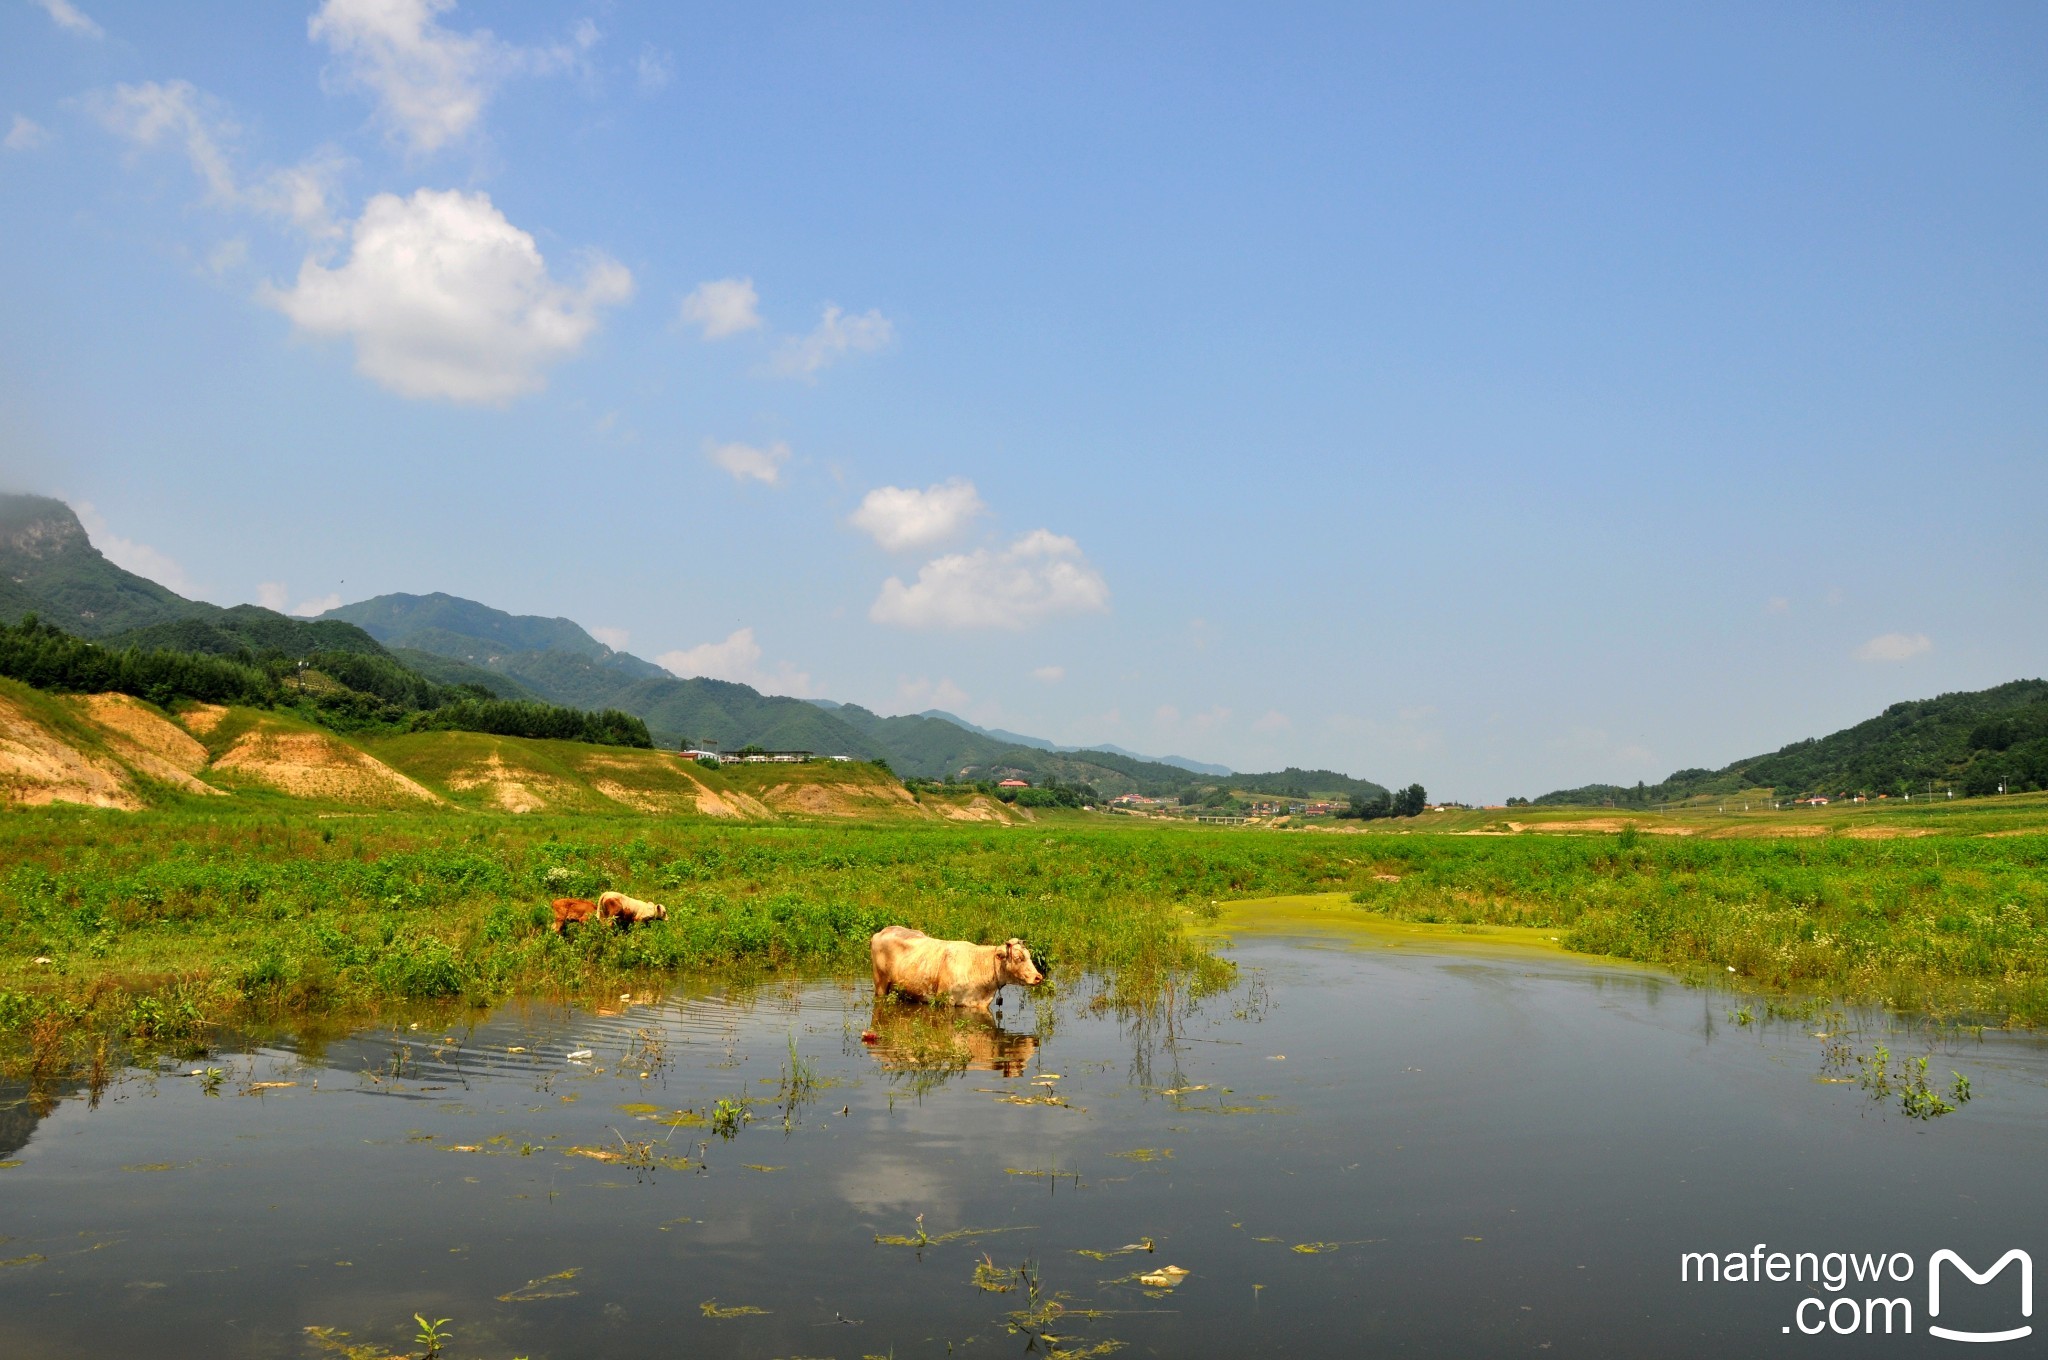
x: 1879, y: 1307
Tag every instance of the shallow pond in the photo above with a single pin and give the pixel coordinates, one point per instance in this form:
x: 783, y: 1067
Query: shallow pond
x: 1355, y: 1150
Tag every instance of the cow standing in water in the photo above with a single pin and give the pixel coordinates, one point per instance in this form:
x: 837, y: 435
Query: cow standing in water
x: 918, y: 966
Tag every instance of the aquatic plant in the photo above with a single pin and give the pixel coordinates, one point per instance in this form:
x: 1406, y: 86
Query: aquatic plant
x: 432, y: 1335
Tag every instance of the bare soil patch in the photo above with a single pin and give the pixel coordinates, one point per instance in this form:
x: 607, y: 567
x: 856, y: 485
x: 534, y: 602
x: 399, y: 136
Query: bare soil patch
x: 511, y: 789
x: 202, y: 718
x: 979, y: 808
x: 38, y: 767
x: 315, y: 765
x: 147, y: 741
x: 838, y: 800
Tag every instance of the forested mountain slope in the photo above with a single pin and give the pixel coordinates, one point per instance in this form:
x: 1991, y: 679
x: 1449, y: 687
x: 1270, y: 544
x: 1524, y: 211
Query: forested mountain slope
x: 1970, y: 740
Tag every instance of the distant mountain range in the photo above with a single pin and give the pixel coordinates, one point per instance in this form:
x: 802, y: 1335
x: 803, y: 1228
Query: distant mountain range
x: 559, y: 661
x: 1041, y: 744
x: 1972, y: 741
x: 49, y: 567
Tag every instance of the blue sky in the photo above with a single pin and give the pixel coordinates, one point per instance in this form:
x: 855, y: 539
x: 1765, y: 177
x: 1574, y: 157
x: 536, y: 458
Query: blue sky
x: 1500, y: 397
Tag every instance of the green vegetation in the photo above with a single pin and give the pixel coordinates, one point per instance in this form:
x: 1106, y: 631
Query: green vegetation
x: 348, y: 691
x: 1973, y: 742
x: 1941, y: 922
x: 1409, y: 802
x: 512, y: 718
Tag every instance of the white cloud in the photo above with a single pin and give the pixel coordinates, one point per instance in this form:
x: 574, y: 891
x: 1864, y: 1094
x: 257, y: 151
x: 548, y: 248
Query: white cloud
x: 738, y: 659
x: 1272, y: 720
x: 746, y: 462
x: 1895, y: 647
x: 26, y: 134
x: 126, y: 553
x: 430, y: 84
x: 72, y: 19
x: 445, y: 298
x: 306, y: 609
x: 653, y: 69
x: 273, y: 595
x: 147, y: 113
x: 723, y: 307
x: 900, y: 518
x: 921, y: 693
x: 153, y: 112
x: 1051, y: 675
x: 1166, y: 715
x: 834, y: 337
x: 1039, y: 576
x: 614, y: 638
x: 1777, y: 604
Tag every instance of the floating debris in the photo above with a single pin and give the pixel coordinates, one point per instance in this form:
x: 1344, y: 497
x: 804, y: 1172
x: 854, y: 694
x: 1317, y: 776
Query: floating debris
x: 546, y: 1287
x: 1142, y: 1244
x: 1166, y: 1277
x: 581, y: 1055
x: 756, y: 1166
x: 1145, y: 1154
x: 711, y: 1309
x: 1317, y: 1248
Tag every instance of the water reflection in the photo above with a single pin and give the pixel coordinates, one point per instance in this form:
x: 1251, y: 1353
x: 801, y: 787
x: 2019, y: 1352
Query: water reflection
x: 933, y: 1043
x: 1345, y: 1153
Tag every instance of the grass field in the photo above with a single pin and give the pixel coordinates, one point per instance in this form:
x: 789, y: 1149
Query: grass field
x: 158, y: 926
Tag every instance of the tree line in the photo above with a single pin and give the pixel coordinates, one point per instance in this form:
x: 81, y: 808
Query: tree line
x: 1406, y: 802
x: 347, y: 691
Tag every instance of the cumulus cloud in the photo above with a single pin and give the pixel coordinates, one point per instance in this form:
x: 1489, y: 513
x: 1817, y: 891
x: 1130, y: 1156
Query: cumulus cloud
x: 153, y: 113
x: 614, y: 638
x: 430, y: 83
x: 737, y: 658
x: 723, y: 307
x: 923, y: 693
x: 126, y: 553
x: 445, y: 298
x: 71, y: 19
x: 1050, y: 675
x: 901, y: 518
x: 1272, y: 720
x: 1895, y: 647
x: 748, y: 462
x: 275, y: 594
x: 26, y: 134
x: 1039, y: 576
x: 834, y: 337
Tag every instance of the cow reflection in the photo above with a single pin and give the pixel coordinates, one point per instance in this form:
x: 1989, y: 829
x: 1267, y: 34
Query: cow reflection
x: 940, y: 1042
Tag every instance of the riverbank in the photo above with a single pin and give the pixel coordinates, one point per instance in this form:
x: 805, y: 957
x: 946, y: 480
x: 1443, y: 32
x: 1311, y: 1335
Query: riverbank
x: 125, y: 932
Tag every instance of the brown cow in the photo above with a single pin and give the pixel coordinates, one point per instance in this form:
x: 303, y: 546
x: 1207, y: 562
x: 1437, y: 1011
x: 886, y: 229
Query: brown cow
x: 916, y: 965
x: 626, y: 912
x: 572, y: 911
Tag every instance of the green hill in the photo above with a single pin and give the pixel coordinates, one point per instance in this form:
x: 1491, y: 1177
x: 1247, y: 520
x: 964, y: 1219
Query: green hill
x: 49, y: 567
x: 558, y: 661
x: 1971, y: 740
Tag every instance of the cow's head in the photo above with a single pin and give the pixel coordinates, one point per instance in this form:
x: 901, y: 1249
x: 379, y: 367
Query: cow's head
x: 660, y: 913
x: 1015, y: 965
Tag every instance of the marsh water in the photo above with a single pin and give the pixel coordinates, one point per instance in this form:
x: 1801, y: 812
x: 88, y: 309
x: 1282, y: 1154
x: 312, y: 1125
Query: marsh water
x: 1354, y: 1150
